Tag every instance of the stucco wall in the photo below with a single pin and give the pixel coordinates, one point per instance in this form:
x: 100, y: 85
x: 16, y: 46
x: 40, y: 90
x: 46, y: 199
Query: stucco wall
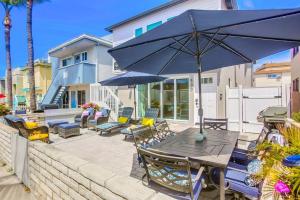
x: 261, y: 80
x: 6, y: 144
x: 295, y: 73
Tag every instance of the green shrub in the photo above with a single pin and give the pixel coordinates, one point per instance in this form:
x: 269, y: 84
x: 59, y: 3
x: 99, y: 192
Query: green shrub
x: 4, y: 110
x: 296, y: 116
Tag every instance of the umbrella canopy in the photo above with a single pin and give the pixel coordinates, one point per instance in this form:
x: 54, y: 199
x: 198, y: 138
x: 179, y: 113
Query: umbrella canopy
x: 202, y: 40
x: 2, y: 96
x: 132, y: 78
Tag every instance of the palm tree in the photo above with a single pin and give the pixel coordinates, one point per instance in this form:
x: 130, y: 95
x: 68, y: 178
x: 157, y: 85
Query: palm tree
x: 8, y: 5
x: 29, y: 6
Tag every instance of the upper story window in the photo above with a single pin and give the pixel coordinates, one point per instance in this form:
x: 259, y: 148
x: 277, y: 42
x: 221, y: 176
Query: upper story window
x: 84, y: 56
x: 296, y: 85
x: 208, y: 80
x: 154, y: 25
x: 273, y: 76
x: 66, y: 62
x: 138, y: 32
x: 77, y: 59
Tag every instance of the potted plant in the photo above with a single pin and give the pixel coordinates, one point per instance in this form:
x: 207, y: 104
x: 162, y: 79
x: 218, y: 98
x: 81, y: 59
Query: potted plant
x: 90, y: 105
x: 4, y: 110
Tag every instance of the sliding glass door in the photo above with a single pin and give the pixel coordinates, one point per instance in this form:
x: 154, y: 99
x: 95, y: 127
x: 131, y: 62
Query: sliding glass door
x: 171, y: 97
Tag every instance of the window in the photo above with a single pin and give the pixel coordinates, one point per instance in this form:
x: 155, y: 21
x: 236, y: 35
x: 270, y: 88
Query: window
x: 116, y: 66
x: 80, y: 98
x: 273, y: 76
x: 77, y: 59
x: 296, y: 85
x: 154, y: 25
x: 84, y: 56
x: 66, y: 62
x: 208, y: 80
x: 138, y: 32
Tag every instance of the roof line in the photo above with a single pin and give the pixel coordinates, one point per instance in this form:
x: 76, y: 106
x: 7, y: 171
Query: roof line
x: 83, y: 36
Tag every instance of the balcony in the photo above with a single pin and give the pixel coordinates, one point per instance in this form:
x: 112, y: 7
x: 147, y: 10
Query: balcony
x: 81, y: 73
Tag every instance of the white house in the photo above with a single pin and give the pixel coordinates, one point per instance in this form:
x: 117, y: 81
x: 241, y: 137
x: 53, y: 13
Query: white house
x: 75, y: 65
x: 177, y: 97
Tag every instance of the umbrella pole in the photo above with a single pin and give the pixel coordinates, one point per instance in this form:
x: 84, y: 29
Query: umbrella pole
x: 200, y: 111
x: 134, y: 101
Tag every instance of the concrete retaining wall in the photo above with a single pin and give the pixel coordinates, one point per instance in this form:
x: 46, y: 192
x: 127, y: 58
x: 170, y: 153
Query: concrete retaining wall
x: 6, y: 144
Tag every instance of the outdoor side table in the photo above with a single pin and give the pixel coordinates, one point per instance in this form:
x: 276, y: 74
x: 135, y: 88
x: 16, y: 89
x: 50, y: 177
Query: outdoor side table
x: 67, y: 130
x: 214, y: 151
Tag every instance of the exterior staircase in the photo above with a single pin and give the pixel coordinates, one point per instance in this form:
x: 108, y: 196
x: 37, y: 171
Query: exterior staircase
x: 106, y: 97
x: 59, y: 94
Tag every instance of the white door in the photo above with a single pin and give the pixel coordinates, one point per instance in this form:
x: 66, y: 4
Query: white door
x: 209, y: 99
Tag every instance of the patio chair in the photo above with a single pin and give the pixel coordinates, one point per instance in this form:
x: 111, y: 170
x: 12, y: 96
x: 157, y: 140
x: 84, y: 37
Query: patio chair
x: 215, y: 124
x: 82, y: 118
x: 173, y: 173
x: 149, y: 119
x: 31, y: 133
x: 123, y: 121
x: 93, y: 121
x: 243, y: 156
x: 240, y: 182
x: 163, y: 130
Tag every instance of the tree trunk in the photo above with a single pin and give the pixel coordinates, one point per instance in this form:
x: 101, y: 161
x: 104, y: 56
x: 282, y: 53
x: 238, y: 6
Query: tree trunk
x: 7, y: 27
x: 31, y: 56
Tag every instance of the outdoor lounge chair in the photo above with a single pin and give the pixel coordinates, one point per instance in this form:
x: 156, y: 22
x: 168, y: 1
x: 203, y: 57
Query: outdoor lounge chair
x: 81, y: 119
x: 93, y: 121
x: 163, y: 130
x: 149, y: 119
x: 173, y: 173
x: 123, y: 121
x: 33, y: 133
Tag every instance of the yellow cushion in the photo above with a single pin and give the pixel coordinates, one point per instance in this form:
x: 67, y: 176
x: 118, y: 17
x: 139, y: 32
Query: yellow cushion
x: 123, y: 120
x: 31, y: 125
x: 147, y: 121
x: 38, y: 136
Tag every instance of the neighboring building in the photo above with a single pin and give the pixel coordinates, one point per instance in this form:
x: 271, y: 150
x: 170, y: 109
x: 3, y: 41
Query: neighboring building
x: 43, y: 77
x: 19, y: 98
x: 295, y: 76
x: 75, y: 65
x: 273, y: 74
x: 177, y: 98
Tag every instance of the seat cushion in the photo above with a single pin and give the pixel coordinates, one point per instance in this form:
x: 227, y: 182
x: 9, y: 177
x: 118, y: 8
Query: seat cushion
x: 31, y: 125
x: 56, y: 123
x: 123, y: 120
x: 108, y: 125
x: 69, y: 126
x: 127, y: 131
x: 147, y: 121
x: 92, y: 121
x: 14, y: 118
x: 38, y: 136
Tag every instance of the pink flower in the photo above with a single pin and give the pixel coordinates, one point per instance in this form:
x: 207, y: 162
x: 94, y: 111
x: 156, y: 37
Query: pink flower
x: 282, y: 188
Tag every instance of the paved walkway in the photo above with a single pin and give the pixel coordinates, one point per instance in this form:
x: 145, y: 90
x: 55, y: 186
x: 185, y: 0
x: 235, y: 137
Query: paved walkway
x: 10, y: 186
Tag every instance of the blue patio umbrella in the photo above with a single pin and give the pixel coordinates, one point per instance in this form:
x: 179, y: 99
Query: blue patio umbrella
x: 202, y: 40
x: 132, y: 79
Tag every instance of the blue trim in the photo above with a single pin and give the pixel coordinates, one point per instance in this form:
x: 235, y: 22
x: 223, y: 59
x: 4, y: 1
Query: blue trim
x: 138, y: 32
x: 154, y: 25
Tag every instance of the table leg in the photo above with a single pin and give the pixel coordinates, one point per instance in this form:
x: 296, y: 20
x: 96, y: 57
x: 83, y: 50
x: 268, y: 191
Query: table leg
x: 222, y: 184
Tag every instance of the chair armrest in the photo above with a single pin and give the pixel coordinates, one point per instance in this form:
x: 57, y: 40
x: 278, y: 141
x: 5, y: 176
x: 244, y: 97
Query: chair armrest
x: 199, y: 174
x: 244, y: 140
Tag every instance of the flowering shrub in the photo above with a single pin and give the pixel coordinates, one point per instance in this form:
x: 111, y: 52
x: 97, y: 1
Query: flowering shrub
x: 90, y: 105
x: 4, y: 110
x: 296, y: 116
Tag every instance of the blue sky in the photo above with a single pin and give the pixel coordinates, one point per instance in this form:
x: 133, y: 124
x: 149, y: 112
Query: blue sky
x: 59, y: 20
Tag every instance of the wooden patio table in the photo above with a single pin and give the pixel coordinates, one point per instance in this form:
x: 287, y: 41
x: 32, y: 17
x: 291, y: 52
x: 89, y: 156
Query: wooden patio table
x: 214, y: 151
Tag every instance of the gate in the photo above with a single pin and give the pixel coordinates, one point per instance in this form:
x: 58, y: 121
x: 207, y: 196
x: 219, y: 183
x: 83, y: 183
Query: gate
x: 244, y: 104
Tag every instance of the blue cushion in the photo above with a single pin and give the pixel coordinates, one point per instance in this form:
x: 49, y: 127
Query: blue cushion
x: 108, y: 125
x: 90, y: 110
x: 104, y: 112
x: 14, y: 118
x: 77, y: 120
x: 292, y: 161
x: 20, y: 112
x: 237, y: 166
x: 56, y: 123
x: 69, y: 126
x: 93, y: 121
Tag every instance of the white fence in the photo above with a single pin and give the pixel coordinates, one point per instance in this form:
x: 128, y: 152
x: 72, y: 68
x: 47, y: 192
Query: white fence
x: 244, y: 104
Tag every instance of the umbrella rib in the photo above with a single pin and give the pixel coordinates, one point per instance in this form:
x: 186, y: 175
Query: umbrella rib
x: 175, y: 55
x: 182, y: 51
x: 182, y: 45
x: 229, y: 48
x: 254, y: 20
x: 153, y: 53
x: 256, y: 37
x: 214, y: 45
x: 209, y: 42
